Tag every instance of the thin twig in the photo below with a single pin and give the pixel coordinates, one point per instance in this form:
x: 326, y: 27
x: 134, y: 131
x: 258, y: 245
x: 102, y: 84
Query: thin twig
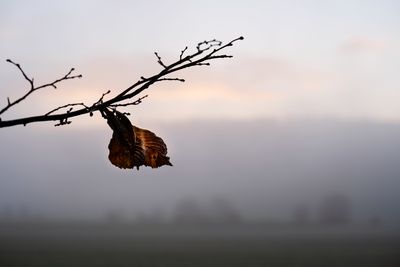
x: 182, y: 52
x: 159, y: 60
x: 172, y: 79
x: 206, y: 45
x: 102, y: 97
x: 136, y: 102
x: 65, y: 106
x: 32, y: 86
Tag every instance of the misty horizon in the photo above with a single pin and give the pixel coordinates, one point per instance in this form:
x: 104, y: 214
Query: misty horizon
x: 263, y: 168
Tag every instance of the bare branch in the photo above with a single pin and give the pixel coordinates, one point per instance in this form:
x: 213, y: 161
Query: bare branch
x: 102, y: 97
x: 172, y: 79
x: 206, y: 45
x: 32, y: 86
x: 62, y: 122
x: 159, y: 60
x: 205, y: 52
x: 203, y: 64
x: 136, y: 102
x: 182, y: 52
x: 22, y: 71
x: 66, y: 106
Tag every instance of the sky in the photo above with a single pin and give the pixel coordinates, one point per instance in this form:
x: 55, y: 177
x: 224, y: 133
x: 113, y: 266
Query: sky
x: 298, y: 59
x: 314, y: 67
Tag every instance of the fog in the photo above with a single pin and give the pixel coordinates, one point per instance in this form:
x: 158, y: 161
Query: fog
x: 261, y: 170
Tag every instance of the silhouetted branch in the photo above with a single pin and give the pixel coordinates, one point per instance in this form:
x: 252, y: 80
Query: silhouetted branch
x: 66, y: 106
x: 136, y: 102
x: 32, y: 86
x: 102, y: 97
x: 159, y: 60
x: 172, y: 79
x: 182, y: 52
x: 205, y: 52
x: 206, y: 45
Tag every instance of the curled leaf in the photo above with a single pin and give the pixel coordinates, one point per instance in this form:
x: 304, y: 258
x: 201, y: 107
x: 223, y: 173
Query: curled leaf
x: 131, y: 146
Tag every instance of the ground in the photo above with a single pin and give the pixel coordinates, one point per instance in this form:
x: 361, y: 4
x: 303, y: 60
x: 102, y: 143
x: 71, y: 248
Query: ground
x: 87, y: 244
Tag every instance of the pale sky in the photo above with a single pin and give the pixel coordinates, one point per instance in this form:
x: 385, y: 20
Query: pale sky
x: 299, y: 58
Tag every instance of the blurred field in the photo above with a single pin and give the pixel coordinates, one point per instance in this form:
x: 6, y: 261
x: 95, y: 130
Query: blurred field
x: 62, y: 244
